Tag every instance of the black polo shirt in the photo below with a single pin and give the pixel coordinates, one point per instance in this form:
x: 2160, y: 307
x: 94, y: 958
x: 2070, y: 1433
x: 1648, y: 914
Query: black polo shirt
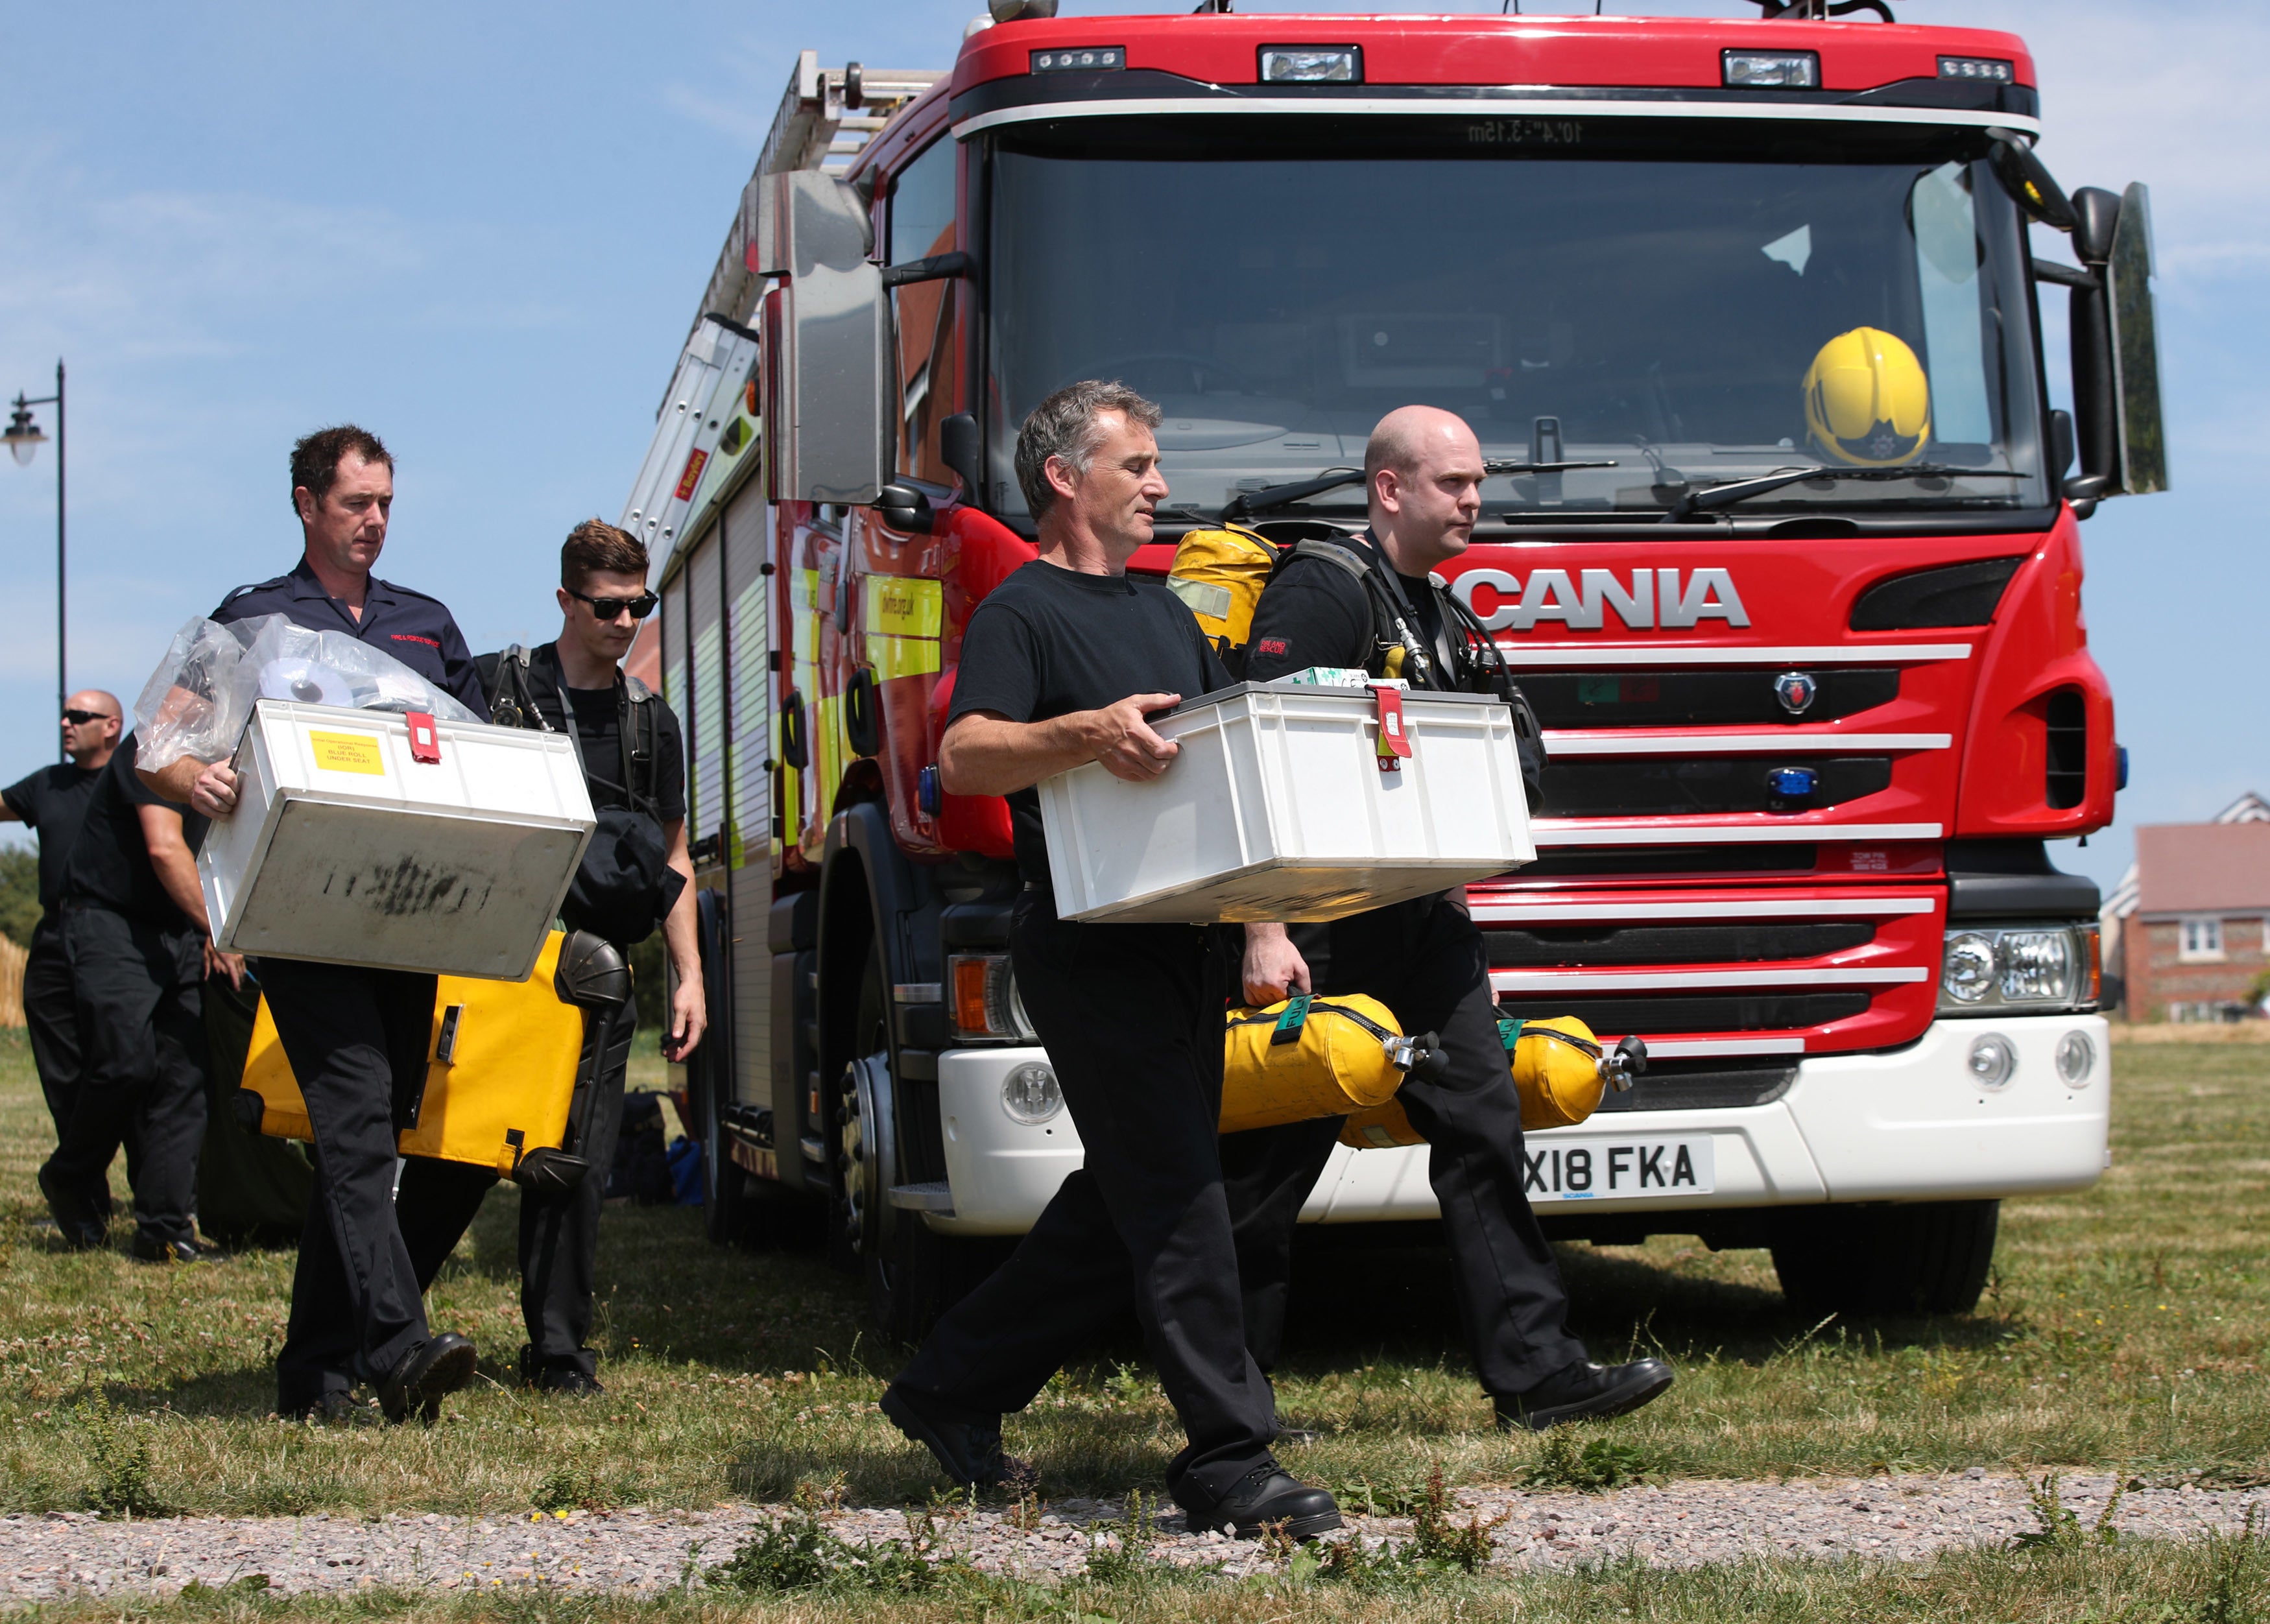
x: 598, y: 731
x: 53, y: 801
x: 414, y: 628
x: 110, y: 865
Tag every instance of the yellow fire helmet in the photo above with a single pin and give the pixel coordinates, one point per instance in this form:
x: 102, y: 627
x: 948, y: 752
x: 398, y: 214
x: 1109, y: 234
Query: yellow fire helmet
x: 1866, y: 400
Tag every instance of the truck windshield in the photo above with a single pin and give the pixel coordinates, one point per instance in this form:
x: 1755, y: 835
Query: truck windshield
x: 1654, y: 294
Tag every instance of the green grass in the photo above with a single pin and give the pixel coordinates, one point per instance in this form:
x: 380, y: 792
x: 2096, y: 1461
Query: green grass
x: 2124, y: 1328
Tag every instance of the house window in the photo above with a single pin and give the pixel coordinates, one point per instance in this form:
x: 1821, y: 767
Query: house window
x: 2201, y: 939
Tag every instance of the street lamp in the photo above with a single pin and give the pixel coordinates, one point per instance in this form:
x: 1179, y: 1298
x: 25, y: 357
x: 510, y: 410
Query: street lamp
x: 24, y: 439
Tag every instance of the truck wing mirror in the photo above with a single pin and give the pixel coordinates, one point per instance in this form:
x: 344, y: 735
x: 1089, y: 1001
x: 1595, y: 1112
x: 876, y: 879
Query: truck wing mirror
x: 2116, y: 361
x: 957, y: 448
x: 827, y: 413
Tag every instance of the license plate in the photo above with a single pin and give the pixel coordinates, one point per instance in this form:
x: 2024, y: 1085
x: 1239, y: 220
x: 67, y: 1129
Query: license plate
x: 1589, y: 1169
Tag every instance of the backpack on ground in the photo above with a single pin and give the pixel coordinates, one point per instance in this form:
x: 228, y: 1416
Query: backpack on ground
x: 624, y: 887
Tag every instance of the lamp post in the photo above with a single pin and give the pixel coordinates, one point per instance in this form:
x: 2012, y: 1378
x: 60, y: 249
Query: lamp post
x: 23, y: 439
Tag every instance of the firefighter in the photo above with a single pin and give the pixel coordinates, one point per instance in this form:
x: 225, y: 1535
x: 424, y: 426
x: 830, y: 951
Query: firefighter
x: 357, y: 1038
x: 53, y: 802
x: 1424, y: 960
x: 1060, y: 665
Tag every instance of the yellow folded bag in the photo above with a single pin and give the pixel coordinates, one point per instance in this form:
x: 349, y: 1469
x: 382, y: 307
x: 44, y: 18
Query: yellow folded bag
x: 1309, y: 1056
x: 503, y: 1071
x: 1559, y: 1070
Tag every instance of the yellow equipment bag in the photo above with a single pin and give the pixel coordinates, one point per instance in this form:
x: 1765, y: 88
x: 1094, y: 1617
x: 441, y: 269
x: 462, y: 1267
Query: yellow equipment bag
x: 1309, y: 1056
x: 505, y: 1058
x: 1219, y: 574
x: 1558, y: 1070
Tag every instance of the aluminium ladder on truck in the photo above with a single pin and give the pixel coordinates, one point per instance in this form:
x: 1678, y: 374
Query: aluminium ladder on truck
x: 827, y: 117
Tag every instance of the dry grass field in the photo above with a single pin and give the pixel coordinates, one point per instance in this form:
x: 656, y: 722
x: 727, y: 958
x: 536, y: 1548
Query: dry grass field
x: 2124, y: 1328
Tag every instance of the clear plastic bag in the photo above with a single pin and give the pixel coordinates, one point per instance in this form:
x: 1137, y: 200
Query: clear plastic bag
x: 198, y: 700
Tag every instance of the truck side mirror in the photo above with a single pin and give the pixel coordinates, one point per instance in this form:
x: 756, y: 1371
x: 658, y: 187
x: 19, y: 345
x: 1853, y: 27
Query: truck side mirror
x: 957, y: 448
x: 2027, y: 180
x: 2116, y: 362
x: 827, y: 413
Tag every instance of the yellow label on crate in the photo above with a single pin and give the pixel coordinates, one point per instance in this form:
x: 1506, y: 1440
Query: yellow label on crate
x: 348, y: 753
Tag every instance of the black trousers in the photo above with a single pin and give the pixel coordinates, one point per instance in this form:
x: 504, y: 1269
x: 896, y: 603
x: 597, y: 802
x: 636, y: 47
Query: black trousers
x: 359, y: 1041
x: 1425, y: 960
x: 51, y: 1011
x: 559, y: 1229
x: 135, y: 990
x: 1132, y: 1018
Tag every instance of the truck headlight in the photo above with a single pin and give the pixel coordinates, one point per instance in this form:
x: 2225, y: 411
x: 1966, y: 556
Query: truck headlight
x: 1990, y: 968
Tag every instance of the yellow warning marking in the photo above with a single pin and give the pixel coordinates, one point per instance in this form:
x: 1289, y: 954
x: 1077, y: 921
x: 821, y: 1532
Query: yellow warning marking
x: 904, y: 606
x: 348, y: 753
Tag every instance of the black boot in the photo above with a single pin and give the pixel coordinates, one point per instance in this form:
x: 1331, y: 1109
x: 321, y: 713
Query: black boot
x: 427, y: 1374
x: 1266, y: 1497
x: 969, y: 1452
x: 83, y: 1227
x: 1583, y: 1391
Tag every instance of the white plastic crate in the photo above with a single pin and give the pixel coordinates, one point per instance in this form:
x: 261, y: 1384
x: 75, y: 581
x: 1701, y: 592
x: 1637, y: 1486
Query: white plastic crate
x: 343, y: 848
x: 1276, y: 809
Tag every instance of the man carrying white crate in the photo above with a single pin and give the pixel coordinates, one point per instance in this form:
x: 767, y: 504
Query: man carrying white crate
x: 1383, y: 610
x: 357, y: 1038
x: 1059, y: 667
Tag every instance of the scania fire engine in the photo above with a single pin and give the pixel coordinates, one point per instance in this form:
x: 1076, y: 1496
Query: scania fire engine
x: 1809, y: 653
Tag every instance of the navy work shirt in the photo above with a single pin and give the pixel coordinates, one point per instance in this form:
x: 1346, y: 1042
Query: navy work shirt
x: 414, y: 628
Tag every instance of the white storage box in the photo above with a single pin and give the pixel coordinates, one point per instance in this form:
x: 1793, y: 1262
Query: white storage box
x: 345, y: 850
x: 1276, y: 809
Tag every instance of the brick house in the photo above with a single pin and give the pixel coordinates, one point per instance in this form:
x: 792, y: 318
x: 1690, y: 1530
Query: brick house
x: 2187, y: 931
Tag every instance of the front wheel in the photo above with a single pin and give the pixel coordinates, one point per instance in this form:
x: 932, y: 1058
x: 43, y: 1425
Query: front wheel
x: 1927, y: 1257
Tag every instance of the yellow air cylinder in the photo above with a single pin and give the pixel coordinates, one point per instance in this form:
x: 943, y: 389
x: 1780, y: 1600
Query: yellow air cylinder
x: 1559, y: 1071
x: 1309, y: 1058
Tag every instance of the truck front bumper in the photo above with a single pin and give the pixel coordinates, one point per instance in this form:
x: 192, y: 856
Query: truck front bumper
x: 1910, y: 1125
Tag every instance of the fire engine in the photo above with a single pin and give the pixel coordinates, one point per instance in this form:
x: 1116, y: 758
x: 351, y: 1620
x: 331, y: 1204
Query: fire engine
x: 1816, y: 688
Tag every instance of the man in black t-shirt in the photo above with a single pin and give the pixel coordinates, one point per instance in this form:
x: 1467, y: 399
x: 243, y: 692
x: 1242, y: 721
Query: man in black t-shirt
x: 602, y: 597
x: 137, y: 943
x: 1059, y: 666
x: 1423, y: 959
x: 53, y: 802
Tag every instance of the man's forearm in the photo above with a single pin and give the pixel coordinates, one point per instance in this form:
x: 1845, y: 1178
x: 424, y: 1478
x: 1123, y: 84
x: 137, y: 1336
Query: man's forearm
x: 173, y: 781
x: 177, y: 872
x: 678, y: 937
x: 982, y: 756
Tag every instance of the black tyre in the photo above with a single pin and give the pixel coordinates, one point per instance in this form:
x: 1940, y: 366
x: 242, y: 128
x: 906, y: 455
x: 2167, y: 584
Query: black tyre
x: 725, y: 1181
x: 912, y: 1274
x: 1928, y: 1257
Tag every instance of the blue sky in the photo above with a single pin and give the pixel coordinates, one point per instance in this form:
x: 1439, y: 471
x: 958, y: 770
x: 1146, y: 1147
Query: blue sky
x: 481, y: 229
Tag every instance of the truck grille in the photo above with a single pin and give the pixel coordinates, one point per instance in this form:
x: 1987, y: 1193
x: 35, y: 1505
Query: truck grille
x: 1712, y: 698
x: 1626, y: 946
x: 1629, y: 862
x: 1668, y: 786
x: 1654, y: 1012
x: 1702, y: 1085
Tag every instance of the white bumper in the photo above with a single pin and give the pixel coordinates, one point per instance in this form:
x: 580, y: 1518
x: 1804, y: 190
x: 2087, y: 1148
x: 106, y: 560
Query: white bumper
x: 1910, y: 1125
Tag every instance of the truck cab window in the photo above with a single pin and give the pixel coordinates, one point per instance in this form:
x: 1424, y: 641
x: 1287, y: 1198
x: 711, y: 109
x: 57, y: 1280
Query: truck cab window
x: 920, y: 225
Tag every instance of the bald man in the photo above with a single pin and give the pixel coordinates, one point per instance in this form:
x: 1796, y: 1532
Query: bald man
x: 53, y: 802
x: 1376, y: 604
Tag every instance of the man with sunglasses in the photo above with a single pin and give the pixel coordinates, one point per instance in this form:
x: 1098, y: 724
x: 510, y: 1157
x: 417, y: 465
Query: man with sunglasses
x: 358, y: 1038
x: 633, y: 757
x: 53, y: 802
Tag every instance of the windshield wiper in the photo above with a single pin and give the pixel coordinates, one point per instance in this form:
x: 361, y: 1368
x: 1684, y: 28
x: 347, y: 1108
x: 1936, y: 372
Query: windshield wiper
x: 1282, y: 496
x: 1727, y: 495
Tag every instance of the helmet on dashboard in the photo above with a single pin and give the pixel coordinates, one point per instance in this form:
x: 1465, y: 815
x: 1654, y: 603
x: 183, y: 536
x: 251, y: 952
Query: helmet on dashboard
x: 1866, y: 400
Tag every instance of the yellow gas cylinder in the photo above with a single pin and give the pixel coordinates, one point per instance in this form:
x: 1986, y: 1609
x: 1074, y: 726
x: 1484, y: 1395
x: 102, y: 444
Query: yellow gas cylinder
x: 1310, y: 1056
x: 1559, y: 1071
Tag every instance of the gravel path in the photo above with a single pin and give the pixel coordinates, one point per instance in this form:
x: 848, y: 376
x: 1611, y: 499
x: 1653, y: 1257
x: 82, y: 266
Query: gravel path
x: 1684, y: 1524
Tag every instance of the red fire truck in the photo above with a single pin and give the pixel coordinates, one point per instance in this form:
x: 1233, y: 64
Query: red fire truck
x: 1815, y: 696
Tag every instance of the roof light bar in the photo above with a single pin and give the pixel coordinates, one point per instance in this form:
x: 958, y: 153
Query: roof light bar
x: 1088, y: 59
x: 1990, y: 68
x: 1312, y: 64
x: 1772, y: 69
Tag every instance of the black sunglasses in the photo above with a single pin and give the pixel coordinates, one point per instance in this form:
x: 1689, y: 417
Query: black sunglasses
x: 80, y: 718
x: 610, y: 608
